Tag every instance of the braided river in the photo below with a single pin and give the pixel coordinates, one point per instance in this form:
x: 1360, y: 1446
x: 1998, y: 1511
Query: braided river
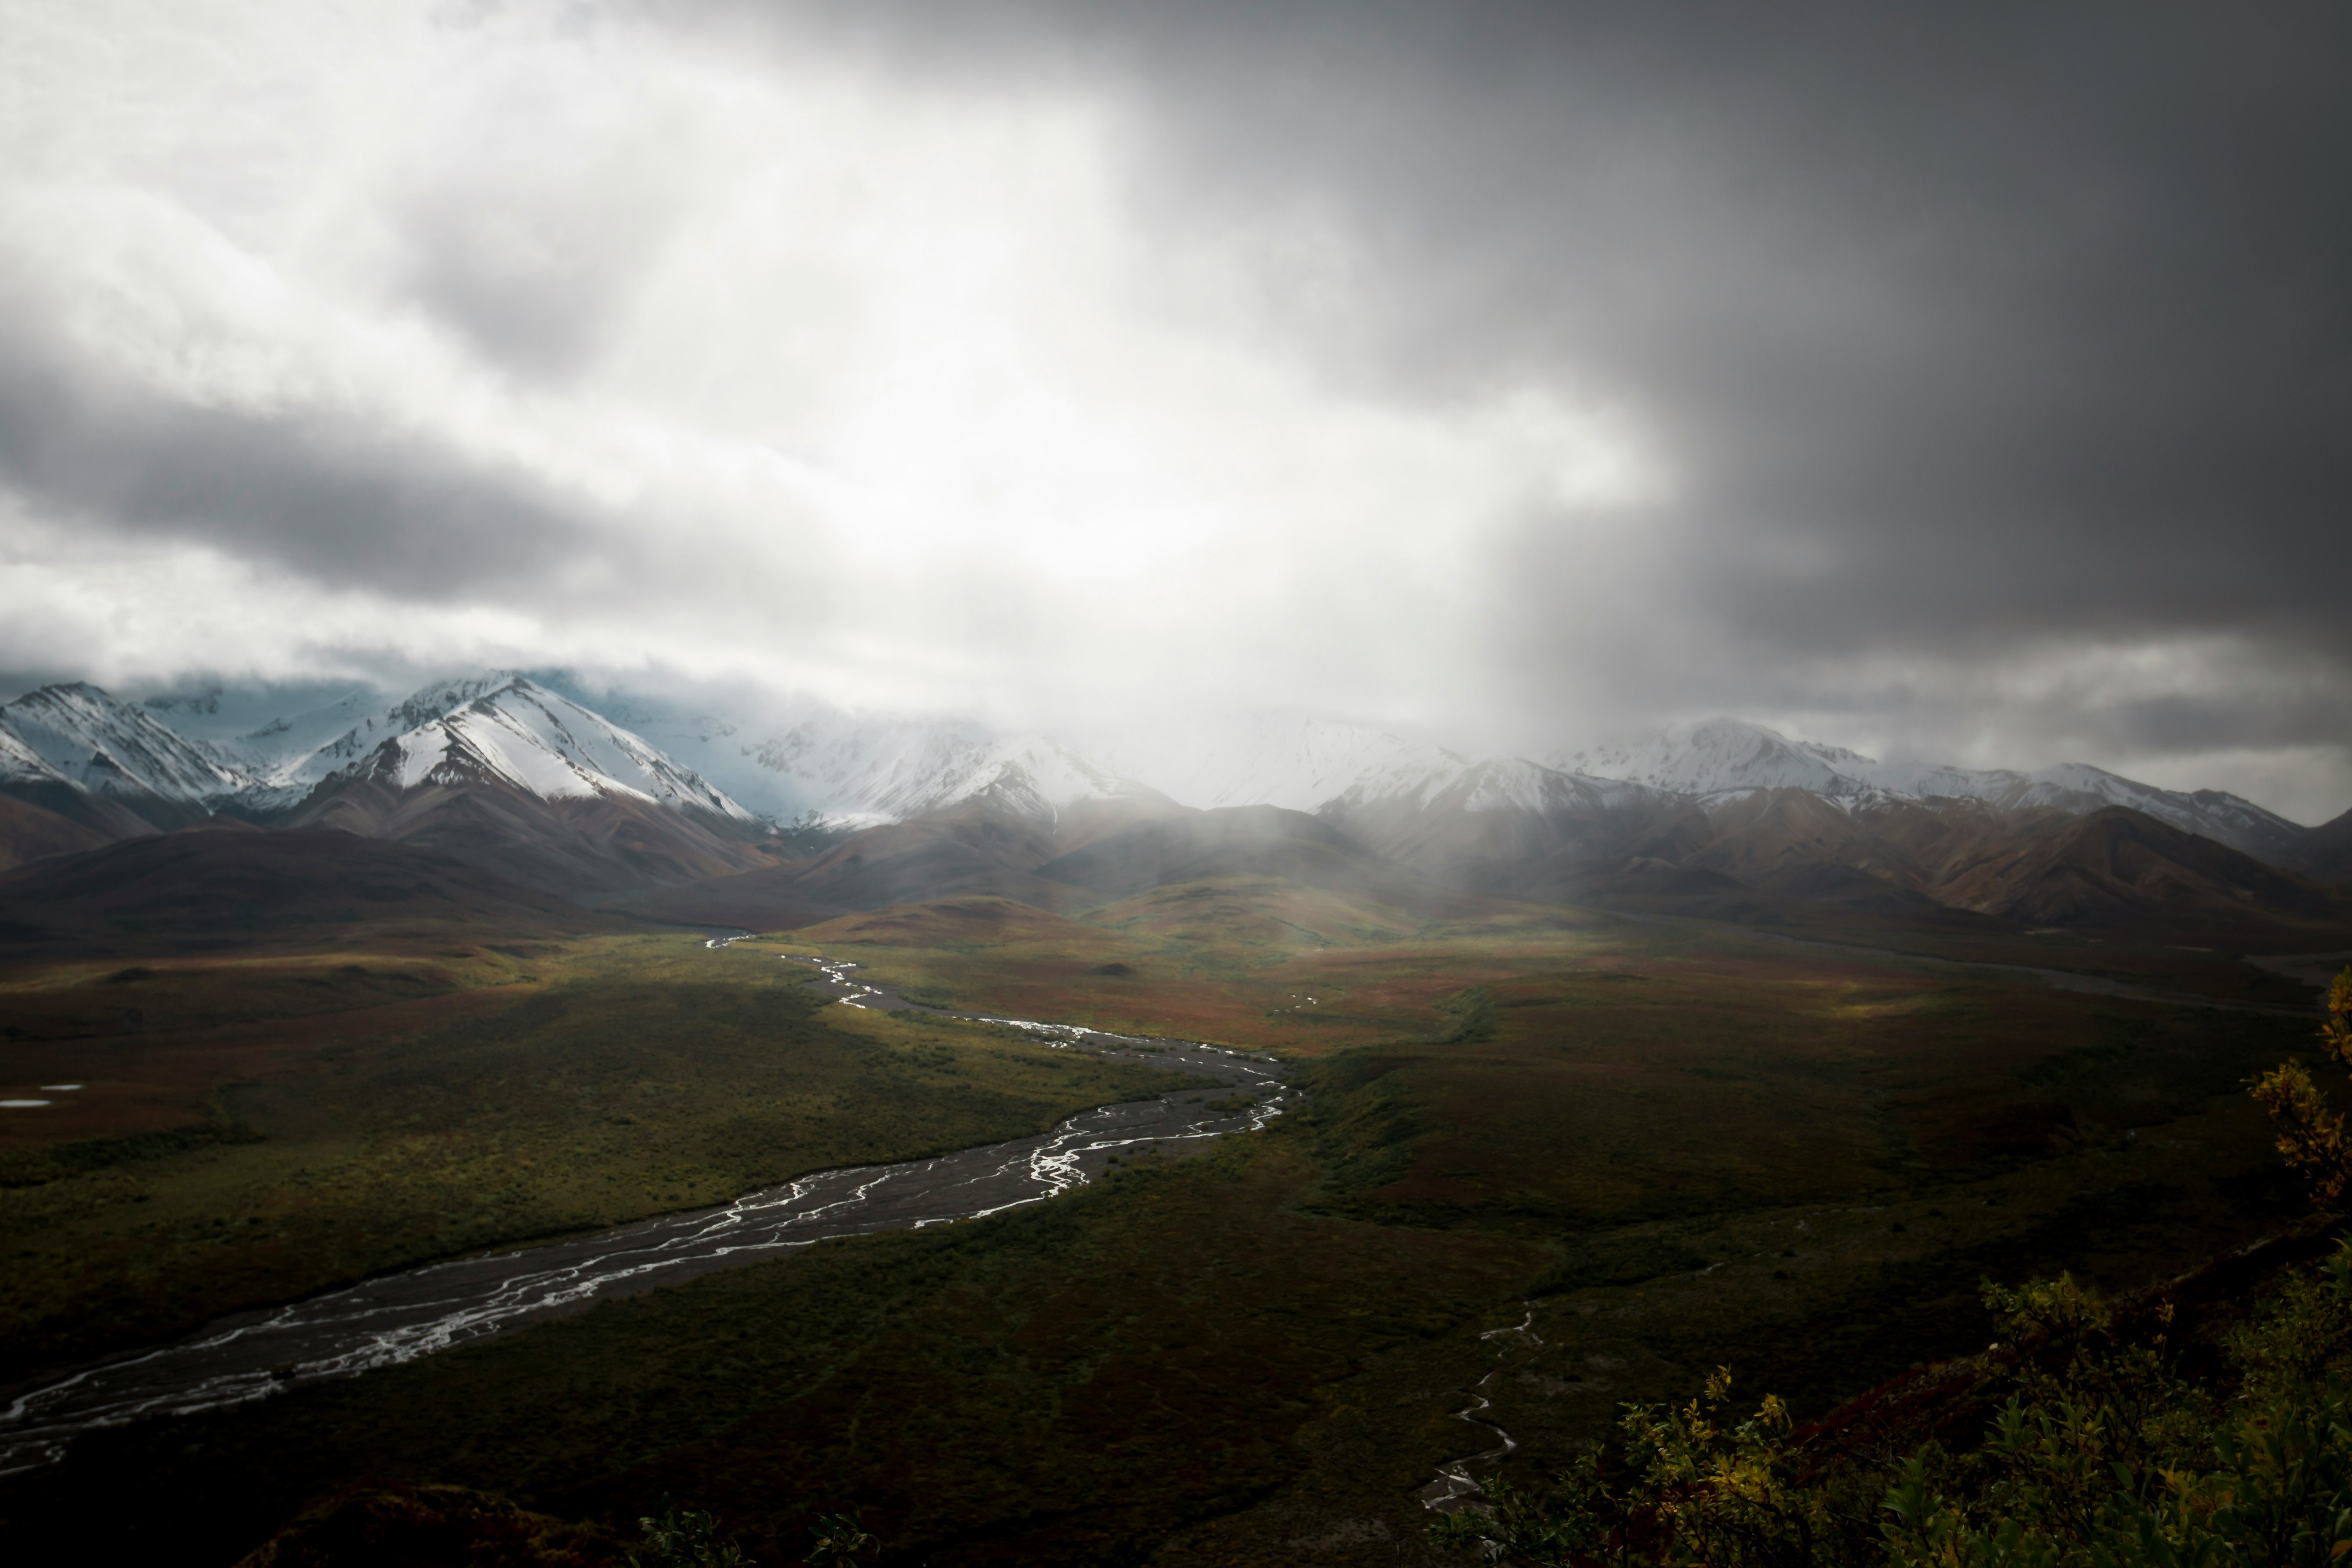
x: 399, y: 1317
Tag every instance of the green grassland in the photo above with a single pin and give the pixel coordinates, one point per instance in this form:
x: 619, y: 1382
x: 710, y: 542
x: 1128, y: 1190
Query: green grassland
x: 1684, y: 1145
x: 397, y: 1111
x: 1070, y: 1381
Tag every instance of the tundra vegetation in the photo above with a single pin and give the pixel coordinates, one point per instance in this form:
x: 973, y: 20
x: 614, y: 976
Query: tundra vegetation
x: 2090, y: 1432
x: 284, y: 1125
x: 1661, y: 1147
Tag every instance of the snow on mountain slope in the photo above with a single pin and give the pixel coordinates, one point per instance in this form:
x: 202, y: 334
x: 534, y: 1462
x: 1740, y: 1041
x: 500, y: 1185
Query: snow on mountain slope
x: 20, y: 764
x: 290, y: 754
x: 820, y: 766
x: 711, y: 744
x: 824, y: 766
x: 509, y: 729
x: 1491, y: 785
x: 260, y: 727
x: 810, y: 764
x: 857, y: 772
x: 1719, y: 754
x: 1722, y: 757
x: 2225, y: 818
x: 108, y: 748
x: 806, y: 763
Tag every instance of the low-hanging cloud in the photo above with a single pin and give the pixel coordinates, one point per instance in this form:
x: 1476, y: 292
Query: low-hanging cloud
x: 1969, y: 385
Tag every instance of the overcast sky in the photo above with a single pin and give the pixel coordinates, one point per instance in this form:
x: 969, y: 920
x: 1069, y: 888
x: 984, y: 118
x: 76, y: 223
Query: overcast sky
x: 1967, y: 382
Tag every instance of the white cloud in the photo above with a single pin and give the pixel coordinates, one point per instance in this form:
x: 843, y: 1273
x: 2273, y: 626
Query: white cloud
x: 835, y: 379
x: 404, y: 335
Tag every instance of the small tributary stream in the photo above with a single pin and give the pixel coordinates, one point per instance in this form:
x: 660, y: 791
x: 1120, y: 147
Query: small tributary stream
x: 402, y: 1316
x: 1457, y: 1480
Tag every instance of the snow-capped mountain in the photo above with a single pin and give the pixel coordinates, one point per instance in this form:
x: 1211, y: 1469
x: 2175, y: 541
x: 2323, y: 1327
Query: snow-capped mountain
x: 256, y: 728
x: 1720, y: 754
x: 1460, y: 824
x: 1492, y: 783
x: 265, y: 752
x: 20, y: 764
x: 286, y: 755
x: 813, y: 765
x: 859, y: 772
x: 1721, y: 757
x: 510, y: 729
x: 80, y: 736
x: 493, y: 726
x: 711, y: 744
x: 851, y: 771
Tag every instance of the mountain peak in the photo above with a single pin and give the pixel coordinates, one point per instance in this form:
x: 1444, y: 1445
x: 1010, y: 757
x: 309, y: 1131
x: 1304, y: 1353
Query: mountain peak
x: 82, y: 734
x: 444, y: 697
x: 1712, y: 755
x: 505, y: 728
x: 1720, y: 757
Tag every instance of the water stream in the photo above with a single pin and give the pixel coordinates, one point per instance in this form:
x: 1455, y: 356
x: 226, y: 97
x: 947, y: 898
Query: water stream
x: 414, y: 1312
x: 1455, y: 1484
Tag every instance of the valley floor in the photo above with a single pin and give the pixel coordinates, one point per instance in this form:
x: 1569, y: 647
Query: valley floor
x: 1685, y: 1146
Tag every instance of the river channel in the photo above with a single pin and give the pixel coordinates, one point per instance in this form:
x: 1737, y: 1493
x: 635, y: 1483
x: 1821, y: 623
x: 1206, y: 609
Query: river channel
x: 400, y: 1316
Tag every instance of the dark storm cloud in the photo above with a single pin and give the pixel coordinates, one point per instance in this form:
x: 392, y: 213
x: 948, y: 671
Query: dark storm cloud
x: 1967, y: 327
x: 339, y: 497
x: 1994, y: 362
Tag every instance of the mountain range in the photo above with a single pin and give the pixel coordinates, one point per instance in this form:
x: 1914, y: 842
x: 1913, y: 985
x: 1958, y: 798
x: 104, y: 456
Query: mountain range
x: 496, y: 768
x: 599, y: 795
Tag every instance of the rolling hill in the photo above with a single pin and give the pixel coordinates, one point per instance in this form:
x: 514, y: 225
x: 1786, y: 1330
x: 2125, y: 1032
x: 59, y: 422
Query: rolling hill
x: 2325, y: 852
x: 1096, y: 854
x: 2123, y: 870
x: 196, y: 891
x: 29, y: 833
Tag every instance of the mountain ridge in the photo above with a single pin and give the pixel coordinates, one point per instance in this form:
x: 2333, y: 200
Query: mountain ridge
x: 103, y: 752
x: 525, y: 775
x: 1721, y: 756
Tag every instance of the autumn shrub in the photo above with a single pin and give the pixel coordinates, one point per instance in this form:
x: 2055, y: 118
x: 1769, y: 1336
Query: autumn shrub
x: 2102, y: 1455
x: 2311, y: 1130
x: 2102, y: 1452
